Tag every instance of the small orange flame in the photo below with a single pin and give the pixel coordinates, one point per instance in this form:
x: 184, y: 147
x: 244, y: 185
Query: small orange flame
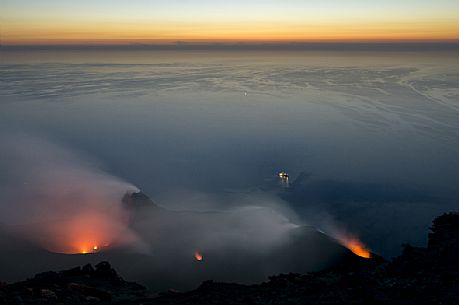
x: 356, y: 246
x: 198, y: 256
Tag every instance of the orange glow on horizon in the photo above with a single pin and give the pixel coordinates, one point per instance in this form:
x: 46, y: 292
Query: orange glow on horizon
x: 249, y: 32
x: 85, y: 21
x: 223, y: 42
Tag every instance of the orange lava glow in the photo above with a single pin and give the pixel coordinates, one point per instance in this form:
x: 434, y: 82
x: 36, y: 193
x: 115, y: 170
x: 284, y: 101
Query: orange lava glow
x: 198, y: 256
x: 85, y: 249
x: 84, y: 233
x: 357, y: 247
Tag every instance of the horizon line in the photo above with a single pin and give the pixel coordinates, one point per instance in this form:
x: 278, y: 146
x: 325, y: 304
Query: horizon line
x: 243, y: 45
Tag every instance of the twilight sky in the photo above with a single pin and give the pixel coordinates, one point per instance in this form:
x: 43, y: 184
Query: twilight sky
x: 120, y: 21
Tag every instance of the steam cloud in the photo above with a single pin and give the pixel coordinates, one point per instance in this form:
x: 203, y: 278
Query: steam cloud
x: 58, y: 199
x: 63, y: 203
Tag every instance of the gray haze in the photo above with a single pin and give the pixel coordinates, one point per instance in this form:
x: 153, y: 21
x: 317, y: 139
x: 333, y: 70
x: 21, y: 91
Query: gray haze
x: 60, y: 209
x: 368, y: 138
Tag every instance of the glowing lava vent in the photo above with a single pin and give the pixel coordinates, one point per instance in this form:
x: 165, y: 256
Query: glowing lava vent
x: 83, y: 234
x: 198, y: 256
x: 356, y: 246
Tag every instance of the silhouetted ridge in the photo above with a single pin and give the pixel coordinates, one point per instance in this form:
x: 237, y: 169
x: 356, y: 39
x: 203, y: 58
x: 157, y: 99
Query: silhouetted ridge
x: 444, y: 232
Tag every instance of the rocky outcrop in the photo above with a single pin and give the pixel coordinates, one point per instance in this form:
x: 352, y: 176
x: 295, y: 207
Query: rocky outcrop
x: 137, y: 200
x: 81, y: 285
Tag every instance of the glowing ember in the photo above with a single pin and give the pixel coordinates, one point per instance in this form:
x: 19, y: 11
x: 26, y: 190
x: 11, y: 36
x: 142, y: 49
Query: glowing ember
x: 198, y: 256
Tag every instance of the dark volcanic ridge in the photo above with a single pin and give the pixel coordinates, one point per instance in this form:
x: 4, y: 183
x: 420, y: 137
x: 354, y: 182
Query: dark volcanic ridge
x: 419, y: 275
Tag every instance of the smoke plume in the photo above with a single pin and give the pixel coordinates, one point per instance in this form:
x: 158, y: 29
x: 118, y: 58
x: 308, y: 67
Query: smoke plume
x: 58, y: 199
x: 63, y: 202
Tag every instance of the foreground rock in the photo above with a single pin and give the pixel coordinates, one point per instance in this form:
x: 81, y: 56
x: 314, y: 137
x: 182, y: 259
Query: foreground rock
x: 418, y: 276
x: 80, y: 285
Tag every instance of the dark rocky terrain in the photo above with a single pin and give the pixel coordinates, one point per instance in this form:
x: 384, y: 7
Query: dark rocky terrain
x: 80, y: 285
x: 418, y: 276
